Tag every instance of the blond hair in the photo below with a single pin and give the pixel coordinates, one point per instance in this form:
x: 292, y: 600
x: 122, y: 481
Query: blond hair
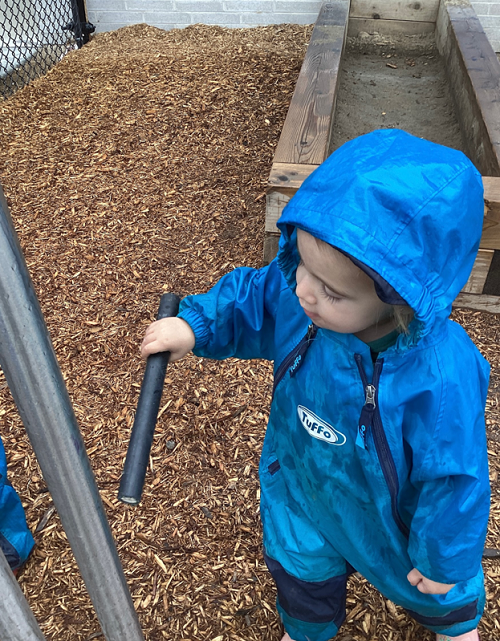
x: 403, y: 315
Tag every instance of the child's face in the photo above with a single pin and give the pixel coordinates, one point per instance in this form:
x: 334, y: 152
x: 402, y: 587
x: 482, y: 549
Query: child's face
x: 337, y: 295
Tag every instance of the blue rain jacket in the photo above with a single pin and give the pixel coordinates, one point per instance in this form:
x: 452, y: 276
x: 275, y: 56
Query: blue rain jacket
x: 16, y: 541
x: 398, y: 481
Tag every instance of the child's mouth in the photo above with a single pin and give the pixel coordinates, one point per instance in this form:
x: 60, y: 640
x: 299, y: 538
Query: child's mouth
x: 311, y: 315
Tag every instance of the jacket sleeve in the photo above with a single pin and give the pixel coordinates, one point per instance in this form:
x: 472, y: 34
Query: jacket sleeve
x: 450, y: 475
x: 237, y: 316
x: 16, y: 541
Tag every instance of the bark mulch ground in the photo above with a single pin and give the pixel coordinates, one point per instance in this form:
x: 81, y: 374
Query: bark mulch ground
x: 138, y: 165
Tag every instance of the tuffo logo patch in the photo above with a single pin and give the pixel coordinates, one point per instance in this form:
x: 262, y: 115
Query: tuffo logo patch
x: 318, y: 428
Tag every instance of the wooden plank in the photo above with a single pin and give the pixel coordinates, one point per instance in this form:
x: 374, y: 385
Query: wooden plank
x: 276, y: 200
x: 389, y: 27
x: 478, y: 301
x: 479, y: 272
x: 289, y: 175
x: 421, y: 11
x: 490, y: 238
x: 491, y: 185
x: 492, y: 283
x: 286, y: 178
x: 491, y: 227
x: 271, y: 244
x: 305, y: 135
x: 474, y: 73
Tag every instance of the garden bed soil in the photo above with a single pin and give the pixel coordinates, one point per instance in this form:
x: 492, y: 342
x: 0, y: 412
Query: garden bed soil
x: 138, y: 165
x: 394, y: 82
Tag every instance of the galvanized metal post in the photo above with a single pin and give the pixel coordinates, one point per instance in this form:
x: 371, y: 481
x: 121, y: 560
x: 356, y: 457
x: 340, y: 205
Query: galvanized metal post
x: 36, y: 383
x: 17, y: 622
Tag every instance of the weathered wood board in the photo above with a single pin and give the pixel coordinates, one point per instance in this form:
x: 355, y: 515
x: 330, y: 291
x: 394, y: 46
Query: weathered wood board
x: 474, y: 74
x: 389, y: 27
x: 412, y: 10
x: 306, y: 131
x: 305, y: 136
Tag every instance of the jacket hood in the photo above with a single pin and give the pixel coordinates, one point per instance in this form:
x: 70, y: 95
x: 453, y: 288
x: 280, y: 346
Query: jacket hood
x: 407, y: 208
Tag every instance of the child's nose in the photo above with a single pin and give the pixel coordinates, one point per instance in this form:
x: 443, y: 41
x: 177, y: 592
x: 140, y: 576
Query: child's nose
x: 304, y: 290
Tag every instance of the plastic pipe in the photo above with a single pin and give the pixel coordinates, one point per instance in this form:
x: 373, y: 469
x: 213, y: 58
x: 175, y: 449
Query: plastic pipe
x: 141, y: 439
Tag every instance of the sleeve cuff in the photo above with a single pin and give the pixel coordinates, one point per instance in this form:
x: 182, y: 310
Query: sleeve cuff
x: 198, y: 325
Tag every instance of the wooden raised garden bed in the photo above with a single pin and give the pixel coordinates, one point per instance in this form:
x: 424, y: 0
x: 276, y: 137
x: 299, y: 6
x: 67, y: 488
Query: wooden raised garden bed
x: 408, y: 50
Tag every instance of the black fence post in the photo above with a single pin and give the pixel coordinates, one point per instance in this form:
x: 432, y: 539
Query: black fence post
x: 80, y: 25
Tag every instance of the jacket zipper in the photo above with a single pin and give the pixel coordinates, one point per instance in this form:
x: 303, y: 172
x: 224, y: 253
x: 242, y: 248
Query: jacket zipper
x: 294, y: 359
x: 368, y: 410
x: 366, y: 418
x: 370, y: 419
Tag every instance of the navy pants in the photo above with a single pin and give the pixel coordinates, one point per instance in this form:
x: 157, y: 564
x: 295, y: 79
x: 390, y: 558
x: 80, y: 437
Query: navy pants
x: 315, y: 610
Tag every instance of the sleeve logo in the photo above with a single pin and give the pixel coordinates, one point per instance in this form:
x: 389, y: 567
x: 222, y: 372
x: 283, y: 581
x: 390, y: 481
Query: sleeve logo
x: 318, y: 428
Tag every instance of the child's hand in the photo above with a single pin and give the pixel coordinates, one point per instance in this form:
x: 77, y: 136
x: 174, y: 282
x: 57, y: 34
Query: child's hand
x: 426, y: 586
x: 172, y: 335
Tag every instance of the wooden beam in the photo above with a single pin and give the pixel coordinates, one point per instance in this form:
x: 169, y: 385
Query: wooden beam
x: 491, y: 228
x: 396, y: 28
x: 276, y: 200
x: 284, y: 181
x: 421, y: 11
x: 289, y: 175
x: 286, y: 178
x: 305, y: 136
x: 271, y: 245
x: 474, y: 74
x: 480, y: 302
x: 479, y: 272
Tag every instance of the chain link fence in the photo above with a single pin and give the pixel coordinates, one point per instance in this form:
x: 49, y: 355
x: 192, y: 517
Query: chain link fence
x: 35, y: 35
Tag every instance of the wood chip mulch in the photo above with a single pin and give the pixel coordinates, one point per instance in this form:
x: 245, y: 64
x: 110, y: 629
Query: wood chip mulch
x: 139, y: 165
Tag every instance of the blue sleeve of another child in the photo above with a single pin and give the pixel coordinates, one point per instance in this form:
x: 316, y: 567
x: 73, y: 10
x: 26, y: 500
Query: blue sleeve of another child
x: 237, y: 316
x: 16, y: 540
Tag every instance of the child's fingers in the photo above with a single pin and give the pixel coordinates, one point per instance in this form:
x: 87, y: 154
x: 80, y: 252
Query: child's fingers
x: 425, y: 585
x: 414, y: 577
x: 152, y: 342
x: 153, y: 329
x: 151, y: 346
x: 154, y: 337
x: 172, y: 335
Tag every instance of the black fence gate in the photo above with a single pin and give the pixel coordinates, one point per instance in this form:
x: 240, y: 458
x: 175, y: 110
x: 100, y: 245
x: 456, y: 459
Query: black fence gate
x: 35, y: 35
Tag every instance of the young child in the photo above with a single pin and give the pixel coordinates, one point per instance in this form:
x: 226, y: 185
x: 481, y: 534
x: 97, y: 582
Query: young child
x: 375, y: 457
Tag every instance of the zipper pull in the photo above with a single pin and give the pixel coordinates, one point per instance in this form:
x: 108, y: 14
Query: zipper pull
x: 370, y: 395
x: 306, y: 341
x: 365, y: 420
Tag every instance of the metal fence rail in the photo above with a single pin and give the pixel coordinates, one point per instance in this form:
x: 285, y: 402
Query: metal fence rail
x: 35, y: 35
x: 30, y: 366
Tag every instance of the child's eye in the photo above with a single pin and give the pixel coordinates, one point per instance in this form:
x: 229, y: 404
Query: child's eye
x: 330, y: 295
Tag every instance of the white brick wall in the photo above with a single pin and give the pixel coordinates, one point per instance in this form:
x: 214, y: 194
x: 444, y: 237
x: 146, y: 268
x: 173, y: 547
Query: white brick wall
x: 108, y: 15
x: 489, y: 15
